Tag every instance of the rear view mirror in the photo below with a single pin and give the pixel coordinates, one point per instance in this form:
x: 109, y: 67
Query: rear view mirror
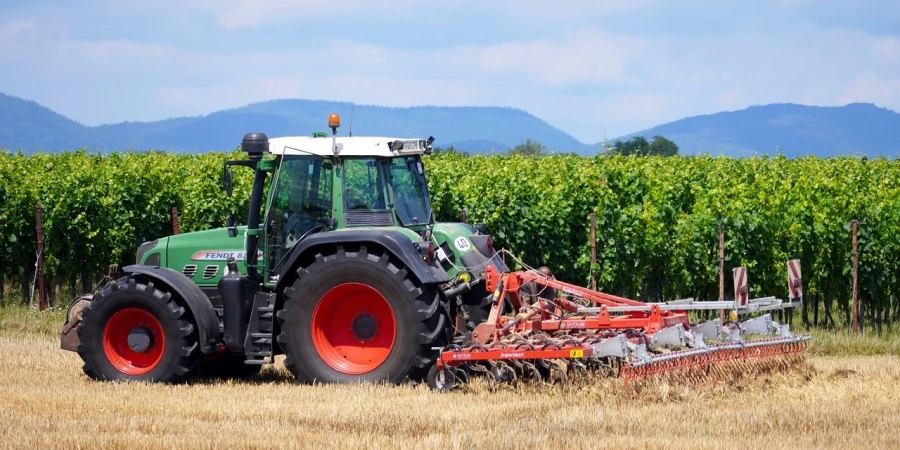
x: 227, y: 182
x: 232, y: 230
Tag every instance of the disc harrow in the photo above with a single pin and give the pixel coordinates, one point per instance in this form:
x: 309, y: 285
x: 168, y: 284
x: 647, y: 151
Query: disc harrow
x: 584, y: 335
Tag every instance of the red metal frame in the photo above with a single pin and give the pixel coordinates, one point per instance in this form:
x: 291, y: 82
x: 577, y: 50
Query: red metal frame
x: 532, y: 334
x: 541, y: 316
x: 545, y: 316
x: 480, y: 354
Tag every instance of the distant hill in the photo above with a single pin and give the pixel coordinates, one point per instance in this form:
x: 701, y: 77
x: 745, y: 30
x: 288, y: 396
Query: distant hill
x: 795, y: 130
x: 30, y: 127
x: 857, y: 128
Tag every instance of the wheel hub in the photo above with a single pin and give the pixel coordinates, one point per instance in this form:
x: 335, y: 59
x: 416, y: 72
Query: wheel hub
x: 134, y: 341
x: 139, y: 340
x: 353, y: 328
x: 364, y: 327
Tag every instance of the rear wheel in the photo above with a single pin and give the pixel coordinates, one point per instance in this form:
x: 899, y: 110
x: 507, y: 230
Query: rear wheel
x: 358, y: 315
x: 134, y: 331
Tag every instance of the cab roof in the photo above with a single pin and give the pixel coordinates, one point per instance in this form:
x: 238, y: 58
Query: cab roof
x: 348, y: 146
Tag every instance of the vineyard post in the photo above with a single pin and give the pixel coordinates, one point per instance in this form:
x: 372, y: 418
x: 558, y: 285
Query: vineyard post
x: 721, y: 270
x: 593, y: 250
x: 175, y: 227
x: 38, y: 211
x: 854, y: 258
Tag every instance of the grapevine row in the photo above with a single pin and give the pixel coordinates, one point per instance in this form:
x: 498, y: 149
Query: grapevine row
x: 657, y: 217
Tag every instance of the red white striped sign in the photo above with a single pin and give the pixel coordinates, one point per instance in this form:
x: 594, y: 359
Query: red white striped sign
x: 795, y: 282
x: 741, y: 293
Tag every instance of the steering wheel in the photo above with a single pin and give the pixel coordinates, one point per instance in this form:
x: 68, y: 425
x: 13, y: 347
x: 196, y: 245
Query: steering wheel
x: 297, y: 219
x: 302, y: 219
x: 305, y: 234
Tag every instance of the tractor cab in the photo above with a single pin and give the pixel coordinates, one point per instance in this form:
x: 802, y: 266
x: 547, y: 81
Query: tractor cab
x: 319, y: 184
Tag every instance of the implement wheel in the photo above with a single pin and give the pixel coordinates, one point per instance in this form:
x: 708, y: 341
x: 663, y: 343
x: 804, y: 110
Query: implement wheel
x: 134, y: 331
x: 359, y: 316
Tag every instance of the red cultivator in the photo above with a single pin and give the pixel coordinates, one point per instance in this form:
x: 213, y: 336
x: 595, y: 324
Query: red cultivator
x: 581, y: 332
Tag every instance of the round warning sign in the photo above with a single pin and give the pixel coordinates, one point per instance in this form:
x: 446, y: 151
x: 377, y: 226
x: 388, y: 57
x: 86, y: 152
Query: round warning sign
x: 462, y: 244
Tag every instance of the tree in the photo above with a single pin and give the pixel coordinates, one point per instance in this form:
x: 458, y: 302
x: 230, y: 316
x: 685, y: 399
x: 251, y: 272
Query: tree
x: 528, y: 148
x: 663, y: 147
x: 639, y: 146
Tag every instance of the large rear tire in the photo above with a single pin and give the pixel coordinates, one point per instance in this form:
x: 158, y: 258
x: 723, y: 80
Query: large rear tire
x: 356, y: 314
x: 134, y: 331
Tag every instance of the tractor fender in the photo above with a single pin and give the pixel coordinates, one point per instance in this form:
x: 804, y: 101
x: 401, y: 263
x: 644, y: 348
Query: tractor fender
x: 394, y: 241
x: 197, y: 302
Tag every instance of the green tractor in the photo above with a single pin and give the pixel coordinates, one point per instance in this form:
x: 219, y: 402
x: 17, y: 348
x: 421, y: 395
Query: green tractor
x: 341, y: 268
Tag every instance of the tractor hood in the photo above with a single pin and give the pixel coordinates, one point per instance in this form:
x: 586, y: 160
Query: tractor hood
x: 199, y: 255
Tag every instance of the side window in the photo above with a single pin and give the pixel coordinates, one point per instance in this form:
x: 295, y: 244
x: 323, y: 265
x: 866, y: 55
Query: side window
x: 364, y: 188
x: 302, y: 195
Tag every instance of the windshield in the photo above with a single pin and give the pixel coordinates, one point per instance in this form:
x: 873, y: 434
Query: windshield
x: 410, y: 191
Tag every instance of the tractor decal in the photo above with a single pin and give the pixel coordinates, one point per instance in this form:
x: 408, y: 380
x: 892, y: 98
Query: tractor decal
x: 221, y: 255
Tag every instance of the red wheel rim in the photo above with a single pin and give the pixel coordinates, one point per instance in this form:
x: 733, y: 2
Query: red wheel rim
x: 139, y: 356
x: 353, y: 328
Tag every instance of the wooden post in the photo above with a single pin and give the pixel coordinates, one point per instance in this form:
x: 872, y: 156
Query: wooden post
x: 38, y: 212
x: 593, y: 250
x: 854, y: 258
x: 175, y: 227
x: 721, y: 270
x: 462, y: 215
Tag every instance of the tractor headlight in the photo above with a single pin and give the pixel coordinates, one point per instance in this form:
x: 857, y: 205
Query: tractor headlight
x: 143, y: 249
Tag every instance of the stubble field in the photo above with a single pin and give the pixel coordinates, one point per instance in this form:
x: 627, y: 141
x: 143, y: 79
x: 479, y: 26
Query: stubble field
x: 846, y: 396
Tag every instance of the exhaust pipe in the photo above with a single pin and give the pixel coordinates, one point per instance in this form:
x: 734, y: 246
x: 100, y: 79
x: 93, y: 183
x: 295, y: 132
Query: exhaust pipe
x: 255, y: 144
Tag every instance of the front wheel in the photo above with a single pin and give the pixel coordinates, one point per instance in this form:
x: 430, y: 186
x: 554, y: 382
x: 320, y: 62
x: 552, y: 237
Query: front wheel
x: 134, y: 331
x: 359, y: 316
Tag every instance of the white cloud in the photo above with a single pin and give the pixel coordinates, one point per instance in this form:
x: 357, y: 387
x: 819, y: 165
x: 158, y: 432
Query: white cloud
x: 236, y: 15
x: 730, y: 99
x: 243, y: 15
x: 792, y: 3
x: 12, y: 29
x: 583, y: 79
x: 585, y: 57
x: 550, y: 11
x: 887, y: 47
x: 360, y: 89
x: 871, y: 88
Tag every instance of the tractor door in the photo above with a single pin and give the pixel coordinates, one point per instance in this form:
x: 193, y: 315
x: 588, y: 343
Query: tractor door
x: 299, y: 199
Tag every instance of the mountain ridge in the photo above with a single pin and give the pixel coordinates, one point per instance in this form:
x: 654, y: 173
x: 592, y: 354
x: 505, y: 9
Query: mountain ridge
x: 790, y: 128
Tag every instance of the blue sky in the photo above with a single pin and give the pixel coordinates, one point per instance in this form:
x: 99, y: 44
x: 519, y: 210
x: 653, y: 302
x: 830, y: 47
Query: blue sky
x: 593, y: 68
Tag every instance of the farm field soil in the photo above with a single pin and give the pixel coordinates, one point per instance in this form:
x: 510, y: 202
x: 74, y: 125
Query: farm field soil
x: 833, y: 402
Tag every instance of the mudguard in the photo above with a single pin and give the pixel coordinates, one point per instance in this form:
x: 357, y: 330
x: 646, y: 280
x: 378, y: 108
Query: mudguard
x: 394, y: 241
x: 198, y: 303
x: 207, y: 323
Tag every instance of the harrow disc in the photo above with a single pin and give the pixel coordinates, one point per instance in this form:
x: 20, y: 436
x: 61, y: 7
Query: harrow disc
x: 504, y: 363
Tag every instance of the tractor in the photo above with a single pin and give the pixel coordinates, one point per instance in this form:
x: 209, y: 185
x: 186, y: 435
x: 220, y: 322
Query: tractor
x: 341, y: 267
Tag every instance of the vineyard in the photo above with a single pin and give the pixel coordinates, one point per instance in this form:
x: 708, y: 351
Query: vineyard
x: 657, y: 218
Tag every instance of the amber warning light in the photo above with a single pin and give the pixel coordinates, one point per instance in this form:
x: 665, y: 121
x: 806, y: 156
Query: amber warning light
x: 334, y: 121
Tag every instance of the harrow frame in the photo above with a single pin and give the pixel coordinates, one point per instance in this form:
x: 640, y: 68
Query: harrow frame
x: 598, y: 329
